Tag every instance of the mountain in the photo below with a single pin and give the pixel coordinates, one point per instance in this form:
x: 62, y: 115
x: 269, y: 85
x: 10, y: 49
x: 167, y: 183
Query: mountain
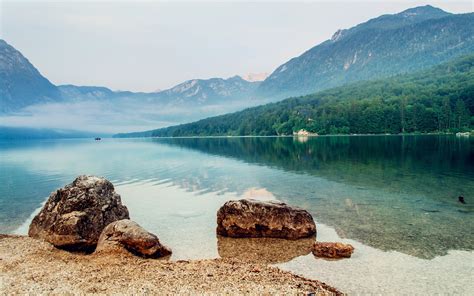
x: 73, y: 92
x: 435, y: 100
x: 21, y: 84
x: 209, y: 91
x: 194, y: 92
x: 388, y: 45
x: 412, y: 40
x: 191, y: 100
x: 29, y: 99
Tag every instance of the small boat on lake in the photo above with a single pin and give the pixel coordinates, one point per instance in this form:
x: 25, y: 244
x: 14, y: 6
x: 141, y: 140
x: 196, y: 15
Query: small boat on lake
x: 98, y: 139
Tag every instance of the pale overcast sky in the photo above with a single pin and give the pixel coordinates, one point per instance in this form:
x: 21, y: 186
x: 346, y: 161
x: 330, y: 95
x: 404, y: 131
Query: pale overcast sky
x: 144, y: 46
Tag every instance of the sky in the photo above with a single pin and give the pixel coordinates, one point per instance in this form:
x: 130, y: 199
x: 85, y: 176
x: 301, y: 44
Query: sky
x: 151, y: 45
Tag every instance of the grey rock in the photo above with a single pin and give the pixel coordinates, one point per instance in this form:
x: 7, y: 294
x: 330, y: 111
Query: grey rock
x: 74, y: 216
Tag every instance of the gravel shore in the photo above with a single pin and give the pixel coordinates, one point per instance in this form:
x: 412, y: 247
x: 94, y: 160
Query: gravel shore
x: 29, y: 266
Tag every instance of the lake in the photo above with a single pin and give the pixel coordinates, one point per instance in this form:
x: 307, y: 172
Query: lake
x: 395, y: 198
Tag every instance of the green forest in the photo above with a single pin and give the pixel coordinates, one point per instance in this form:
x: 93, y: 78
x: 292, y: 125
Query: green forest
x: 440, y: 99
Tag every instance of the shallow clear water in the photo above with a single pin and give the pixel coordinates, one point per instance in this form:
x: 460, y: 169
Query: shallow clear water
x: 394, y: 198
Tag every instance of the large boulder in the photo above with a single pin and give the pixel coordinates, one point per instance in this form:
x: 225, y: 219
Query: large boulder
x: 126, y: 235
x: 74, y: 216
x: 332, y: 250
x: 252, y: 218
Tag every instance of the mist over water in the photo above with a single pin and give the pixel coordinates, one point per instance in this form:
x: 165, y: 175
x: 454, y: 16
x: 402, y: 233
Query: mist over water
x: 117, y: 114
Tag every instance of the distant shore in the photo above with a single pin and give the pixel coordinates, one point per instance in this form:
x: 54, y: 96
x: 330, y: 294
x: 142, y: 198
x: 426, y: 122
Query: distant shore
x: 29, y: 266
x: 117, y: 136
x: 293, y: 136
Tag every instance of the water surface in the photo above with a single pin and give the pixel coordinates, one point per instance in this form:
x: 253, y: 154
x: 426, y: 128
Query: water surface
x: 394, y: 198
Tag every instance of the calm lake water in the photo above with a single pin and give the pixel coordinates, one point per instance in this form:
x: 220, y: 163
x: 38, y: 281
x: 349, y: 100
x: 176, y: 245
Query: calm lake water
x: 395, y: 198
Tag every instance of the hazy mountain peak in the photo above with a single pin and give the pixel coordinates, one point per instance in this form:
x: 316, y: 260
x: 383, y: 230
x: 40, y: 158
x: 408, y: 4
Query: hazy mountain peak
x: 208, y: 91
x: 426, y: 10
x: 182, y: 87
x: 73, y: 92
x: 235, y: 78
x: 383, y: 46
x: 254, y: 77
x: 393, y: 21
x: 21, y: 84
x: 12, y: 60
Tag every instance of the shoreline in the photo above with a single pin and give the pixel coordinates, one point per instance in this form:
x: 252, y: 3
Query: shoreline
x: 229, y: 136
x: 30, y: 266
x: 290, y: 136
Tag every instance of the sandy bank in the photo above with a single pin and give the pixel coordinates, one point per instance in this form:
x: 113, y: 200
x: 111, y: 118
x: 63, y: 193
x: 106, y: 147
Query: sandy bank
x: 29, y: 266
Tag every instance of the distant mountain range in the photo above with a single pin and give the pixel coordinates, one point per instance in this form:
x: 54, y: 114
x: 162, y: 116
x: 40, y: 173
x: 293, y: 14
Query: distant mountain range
x: 409, y: 41
x: 209, y: 91
x: 23, y: 85
x: 440, y: 99
x: 192, y: 92
x: 29, y: 98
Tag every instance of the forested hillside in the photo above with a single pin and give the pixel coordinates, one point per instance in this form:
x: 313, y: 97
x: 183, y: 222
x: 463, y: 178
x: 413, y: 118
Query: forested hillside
x: 403, y: 43
x: 440, y: 99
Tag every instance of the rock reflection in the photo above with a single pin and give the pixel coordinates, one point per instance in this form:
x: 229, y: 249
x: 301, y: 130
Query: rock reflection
x: 258, y: 194
x: 394, y: 193
x: 263, y: 250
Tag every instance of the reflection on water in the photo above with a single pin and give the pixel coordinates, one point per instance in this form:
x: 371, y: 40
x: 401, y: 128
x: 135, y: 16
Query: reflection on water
x: 371, y: 271
x: 392, y: 193
x: 395, y: 163
x: 263, y: 250
x: 395, y: 194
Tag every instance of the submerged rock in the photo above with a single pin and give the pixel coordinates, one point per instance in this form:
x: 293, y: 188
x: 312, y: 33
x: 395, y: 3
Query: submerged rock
x: 252, y: 218
x: 128, y: 235
x: 332, y: 250
x: 74, y: 216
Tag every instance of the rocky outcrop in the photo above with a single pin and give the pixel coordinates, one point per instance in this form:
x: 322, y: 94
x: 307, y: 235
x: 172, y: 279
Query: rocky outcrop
x: 252, y: 218
x: 332, y: 250
x: 126, y: 235
x: 74, y: 216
